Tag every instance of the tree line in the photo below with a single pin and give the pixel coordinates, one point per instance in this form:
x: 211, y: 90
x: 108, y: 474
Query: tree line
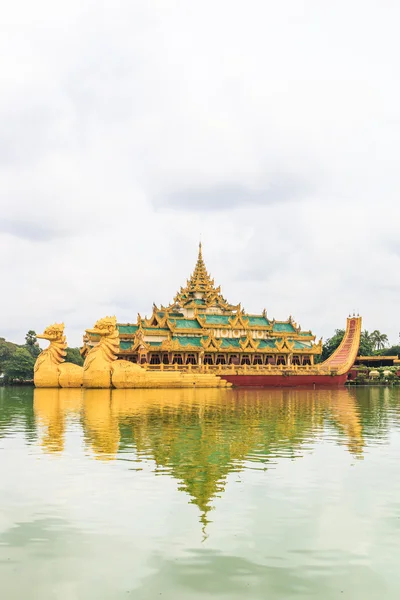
x: 374, y: 343
x: 17, y: 361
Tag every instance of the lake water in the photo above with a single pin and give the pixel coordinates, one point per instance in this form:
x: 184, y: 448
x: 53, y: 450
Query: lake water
x: 220, y: 494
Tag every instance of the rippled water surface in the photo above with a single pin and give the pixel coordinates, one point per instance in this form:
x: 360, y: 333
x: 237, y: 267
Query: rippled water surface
x: 199, y: 494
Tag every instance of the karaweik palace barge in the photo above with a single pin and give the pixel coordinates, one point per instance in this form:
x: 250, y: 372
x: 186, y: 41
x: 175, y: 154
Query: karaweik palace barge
x: 200, y: 332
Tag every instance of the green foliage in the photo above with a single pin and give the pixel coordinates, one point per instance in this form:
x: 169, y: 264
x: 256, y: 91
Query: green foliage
x: 31, y: 343
x: 392, y: 351
x: 74, y: 356
x: 379, y: 339
x: 366, y: 344
x: 30, y: 338
x: 17, y: 362
x: 19, y: 365
x: 6, y: 350
x: 332, y: 343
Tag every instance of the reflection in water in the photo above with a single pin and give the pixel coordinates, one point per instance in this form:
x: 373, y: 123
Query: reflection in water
x: 100, y: 424
x: 89, y: 482
x: 199, y: 436
x: 51, y: 406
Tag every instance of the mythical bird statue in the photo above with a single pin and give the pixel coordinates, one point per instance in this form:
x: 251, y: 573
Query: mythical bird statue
x: 102, y: 369
x: 51, y: 370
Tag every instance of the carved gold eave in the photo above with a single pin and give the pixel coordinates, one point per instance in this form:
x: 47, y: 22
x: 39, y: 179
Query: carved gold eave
x: 238, y: 321
x: 155, y: 320
x: 177, y: 347
x: 191, y: 303
x: 317, y: 348
x: 139, y: 345
x: 303, y: 338
x: 147, y: 322
x: 202, y: 320
x: 157, y: 331
x: 162, y: 321
x: 170, y: 345
x: 249, y: 343
x: 289, y: 345
x: 138, y: 339
x: 293, y: 323
x: 171, y: 325
x: 211, y: 341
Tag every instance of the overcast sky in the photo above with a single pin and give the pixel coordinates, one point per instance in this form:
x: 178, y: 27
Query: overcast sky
x: 130, y: 128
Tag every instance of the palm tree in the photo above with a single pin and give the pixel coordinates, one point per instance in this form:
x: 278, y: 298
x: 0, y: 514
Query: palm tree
x: 379, y: 340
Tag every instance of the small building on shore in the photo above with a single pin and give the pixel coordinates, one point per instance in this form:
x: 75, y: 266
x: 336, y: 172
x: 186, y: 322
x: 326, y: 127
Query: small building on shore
x: 372, y: 362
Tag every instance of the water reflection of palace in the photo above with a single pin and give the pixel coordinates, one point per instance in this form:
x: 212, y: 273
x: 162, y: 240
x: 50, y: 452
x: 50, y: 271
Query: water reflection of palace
x: 197, y: 436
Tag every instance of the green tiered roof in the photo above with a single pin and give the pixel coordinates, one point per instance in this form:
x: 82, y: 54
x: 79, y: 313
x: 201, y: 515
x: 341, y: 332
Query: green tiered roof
x: 127, y: 329
x: 200, y: 317
x: 287, y: 327
x: 258, y: 321
x: 186, y: 323
x: 186, y: 340
x: 217, y: 319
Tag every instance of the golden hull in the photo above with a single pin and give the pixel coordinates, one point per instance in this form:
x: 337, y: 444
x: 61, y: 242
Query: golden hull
x: 71, y: 376
x: 46, y: 378
x: 126, y: 375
x: 97, y: 378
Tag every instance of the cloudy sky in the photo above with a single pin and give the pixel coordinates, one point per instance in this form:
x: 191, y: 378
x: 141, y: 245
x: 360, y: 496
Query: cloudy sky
x: 128, y: 129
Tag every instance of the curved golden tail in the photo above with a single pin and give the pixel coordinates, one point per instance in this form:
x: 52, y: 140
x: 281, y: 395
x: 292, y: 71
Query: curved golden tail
x: 344, y: 356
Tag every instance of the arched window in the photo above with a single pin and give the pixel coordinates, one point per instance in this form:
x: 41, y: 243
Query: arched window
x: 165, y: 359
x: 220, y: 359
x: 177, y: 360
x: 245, y: 359
x: 281, y: 360
x: 208, y: 359
x: 306, y: 360
x: 132, y: 359
x: 191, y: 359
x: 233, y: 359
x: 257, y: 359
x: 270, y: 360
x: 296, y: 360
x: 155, y: 359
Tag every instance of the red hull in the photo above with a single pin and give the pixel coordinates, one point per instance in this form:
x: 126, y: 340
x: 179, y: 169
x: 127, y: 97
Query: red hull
x: 265, y: 381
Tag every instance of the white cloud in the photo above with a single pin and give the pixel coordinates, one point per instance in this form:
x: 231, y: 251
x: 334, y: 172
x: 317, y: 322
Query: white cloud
x: 112, y: 112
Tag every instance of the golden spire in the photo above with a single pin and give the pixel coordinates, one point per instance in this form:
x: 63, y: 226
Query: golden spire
x: 200, y: 286
x: 200, y: 280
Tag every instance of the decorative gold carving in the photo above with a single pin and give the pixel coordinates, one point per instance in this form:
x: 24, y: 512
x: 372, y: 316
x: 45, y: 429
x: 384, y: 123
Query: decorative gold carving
x: 249, y: 344
x: 50, y: 369
x: 102, y: 370
x: 201, y: 284
x: 211, y: 341
x: 204, y: 298
x: 344, y: 356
